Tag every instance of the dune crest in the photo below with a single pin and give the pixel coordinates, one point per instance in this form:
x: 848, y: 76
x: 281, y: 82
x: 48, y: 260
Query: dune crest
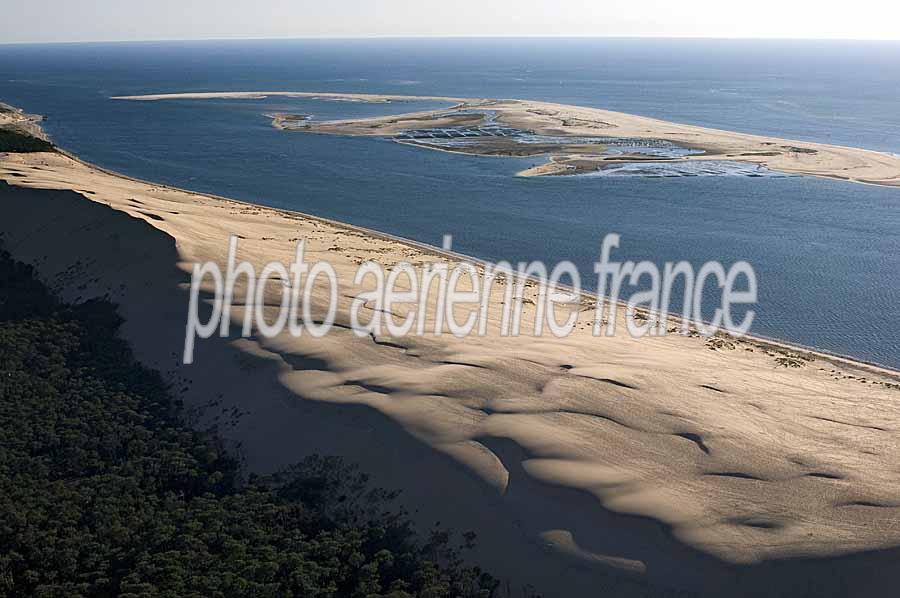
x: 665, y: 460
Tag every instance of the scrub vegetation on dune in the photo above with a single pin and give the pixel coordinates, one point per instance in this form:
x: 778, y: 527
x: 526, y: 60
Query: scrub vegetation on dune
x: 18, y: 142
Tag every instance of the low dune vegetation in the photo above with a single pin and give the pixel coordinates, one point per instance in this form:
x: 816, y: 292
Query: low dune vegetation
x: 15, y: 141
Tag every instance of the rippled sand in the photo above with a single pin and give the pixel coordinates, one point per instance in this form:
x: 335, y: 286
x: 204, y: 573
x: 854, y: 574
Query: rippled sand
x: 724, y: 467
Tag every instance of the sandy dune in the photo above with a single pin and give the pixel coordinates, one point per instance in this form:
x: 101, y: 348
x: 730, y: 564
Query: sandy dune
x: 783, y: 155
x: 589, y: 466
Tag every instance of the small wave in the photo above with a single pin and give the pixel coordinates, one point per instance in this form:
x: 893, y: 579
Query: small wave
x: 696, y: 168
x: 658, y: 151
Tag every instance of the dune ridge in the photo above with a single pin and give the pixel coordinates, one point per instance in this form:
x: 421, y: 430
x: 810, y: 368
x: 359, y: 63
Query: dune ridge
x: 676, y: 462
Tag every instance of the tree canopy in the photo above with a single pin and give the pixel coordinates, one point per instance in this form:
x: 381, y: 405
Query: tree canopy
x: 105, y: 491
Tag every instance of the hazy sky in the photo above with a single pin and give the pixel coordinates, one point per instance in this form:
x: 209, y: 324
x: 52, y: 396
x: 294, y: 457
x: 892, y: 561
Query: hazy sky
x: 83, y: 20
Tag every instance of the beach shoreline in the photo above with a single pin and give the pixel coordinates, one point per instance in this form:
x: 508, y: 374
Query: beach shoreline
x: 792, y: 347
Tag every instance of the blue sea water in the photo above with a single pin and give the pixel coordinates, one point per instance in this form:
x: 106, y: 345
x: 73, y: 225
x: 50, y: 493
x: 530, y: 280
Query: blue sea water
x: 827, y: 253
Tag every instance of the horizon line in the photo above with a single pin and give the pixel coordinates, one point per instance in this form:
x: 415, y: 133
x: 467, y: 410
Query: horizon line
x: 447, y: 37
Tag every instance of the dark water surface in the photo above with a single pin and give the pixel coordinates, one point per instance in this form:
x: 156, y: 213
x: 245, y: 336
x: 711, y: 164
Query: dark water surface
x: 827, y: 253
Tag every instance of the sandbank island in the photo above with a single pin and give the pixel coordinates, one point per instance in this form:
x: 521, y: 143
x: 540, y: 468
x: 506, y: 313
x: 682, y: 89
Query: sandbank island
x: 576, y: 139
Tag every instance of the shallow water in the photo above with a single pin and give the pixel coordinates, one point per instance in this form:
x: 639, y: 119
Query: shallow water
x: 827, y: 253
x: 704, y: 168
